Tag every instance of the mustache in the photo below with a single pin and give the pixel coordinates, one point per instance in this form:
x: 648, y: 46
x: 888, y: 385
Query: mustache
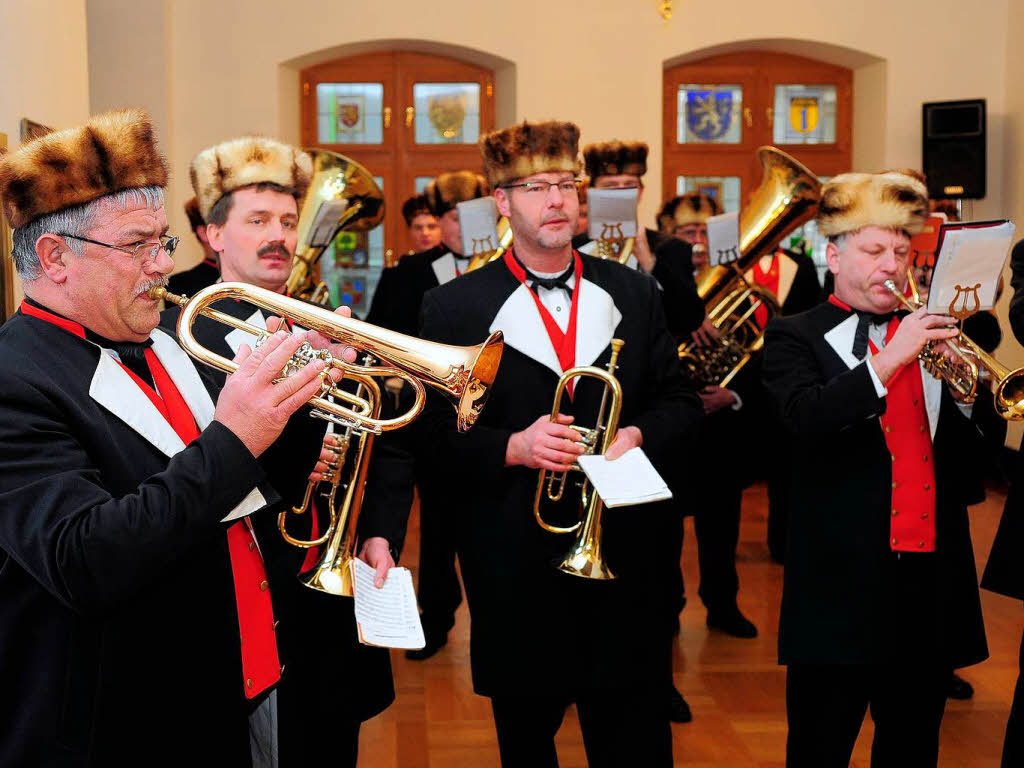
x: 274, y: 248
x: 156, y: 282
x: 554, y: 217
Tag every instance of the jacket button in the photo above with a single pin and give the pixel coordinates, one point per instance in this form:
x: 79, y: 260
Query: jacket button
x: 927, y: 486
x: 276, y: 622
x: 894, y: 485
x: 921, y: 428
x: 248, y: 682
x: 894, y: 541
x: 920, y: 544
x: 924, y: 515
x: 915, y: 401
x: 894, y: 511
x: 926, y: 458
x: 892, y: 456
x: 252, y: 545
x: 888, y: 429
x: 263, y: 585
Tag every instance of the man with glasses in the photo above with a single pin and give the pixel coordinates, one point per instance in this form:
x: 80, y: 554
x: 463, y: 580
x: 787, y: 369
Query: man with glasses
x: 249, y: 190
x: 135, y: 615
x: 542, y: 639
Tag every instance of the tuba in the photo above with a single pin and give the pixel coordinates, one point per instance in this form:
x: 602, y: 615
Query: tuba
x: 970, y: 364
x: 342, y: 196
x: 585, y: 559
x: 332, y: 574
x: 787, y: 197
x: 464, y: 374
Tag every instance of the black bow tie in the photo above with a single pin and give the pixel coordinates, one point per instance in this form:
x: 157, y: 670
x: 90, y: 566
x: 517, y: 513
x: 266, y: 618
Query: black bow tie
x: 551, y: 283
x: 864, y: 322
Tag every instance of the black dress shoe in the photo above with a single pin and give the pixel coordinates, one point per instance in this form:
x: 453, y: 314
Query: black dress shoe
x: 732, y: 623
x: 678, y: 709
x: 959, y: 688
x: 431, y: 648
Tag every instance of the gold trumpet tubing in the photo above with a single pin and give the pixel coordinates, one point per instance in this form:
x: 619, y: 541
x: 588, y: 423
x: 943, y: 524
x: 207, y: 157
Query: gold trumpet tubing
x: 464, y: 374
x: 588, y: 440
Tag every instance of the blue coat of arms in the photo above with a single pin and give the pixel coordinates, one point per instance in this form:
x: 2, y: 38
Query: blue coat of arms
x: 709, y: 113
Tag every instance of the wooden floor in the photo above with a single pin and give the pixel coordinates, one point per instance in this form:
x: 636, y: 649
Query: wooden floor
x: 735, y: 687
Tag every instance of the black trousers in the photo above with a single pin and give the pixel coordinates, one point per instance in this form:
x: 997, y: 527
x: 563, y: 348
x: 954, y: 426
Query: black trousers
x: 439, y: 591
x: 1013, y: 746
x: 716, y: 522
x: 826, y: 704
x: 620, y: 728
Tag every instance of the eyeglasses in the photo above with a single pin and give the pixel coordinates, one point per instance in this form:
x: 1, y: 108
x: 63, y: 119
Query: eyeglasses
x: 541, y: 188
x: 149, y: 251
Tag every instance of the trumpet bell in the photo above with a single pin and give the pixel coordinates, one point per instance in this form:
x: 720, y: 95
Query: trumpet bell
x: 586, y: 561
x: 1009, y: 396
x: 333, y: 577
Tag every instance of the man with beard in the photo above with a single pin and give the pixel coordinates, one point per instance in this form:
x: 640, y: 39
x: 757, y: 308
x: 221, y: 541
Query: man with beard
x: 136, y: 623
x: 249, y: 190
x: 542, y: 639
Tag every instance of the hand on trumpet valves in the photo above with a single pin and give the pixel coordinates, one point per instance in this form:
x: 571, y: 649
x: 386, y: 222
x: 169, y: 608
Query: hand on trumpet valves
x: 915, y: 331
x: 377, y: 554
x: 252, y: 405
x: 318, y: 341
x: 545, y: 444
x: 625, y: 439
x: 705, y: 335
x: 330, y: 457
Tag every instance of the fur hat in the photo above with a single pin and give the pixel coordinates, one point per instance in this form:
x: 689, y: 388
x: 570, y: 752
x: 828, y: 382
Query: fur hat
x: 691, y: 208
x: 530, y: 148
x: 450, y: 189
x: 614, y: 157
x: 231, y: 165
x: 113, y: 151
x: 192, y: 211
x: 413, y: 207
x: 892, y: 200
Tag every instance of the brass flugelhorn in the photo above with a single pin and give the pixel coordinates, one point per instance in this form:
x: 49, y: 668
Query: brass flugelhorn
x: 615, y: 246
x: 332, y: 572
x: 464, y: 374
x: 505, y: 239
x: 585, y: 558
x: 970, y: 365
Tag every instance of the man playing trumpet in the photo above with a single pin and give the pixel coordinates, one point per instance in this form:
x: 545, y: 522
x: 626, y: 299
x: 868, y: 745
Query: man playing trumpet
x: 880, y: 601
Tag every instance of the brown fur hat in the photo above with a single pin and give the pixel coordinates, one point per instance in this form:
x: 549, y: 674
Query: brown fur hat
x: 523, y: 150
x: 892, y: 200
x: 614, y: 157
x: 450, y: 189
x: 113, y: 151
x: 691, y: 208
x: 231, y: 165
x: 413, y: 207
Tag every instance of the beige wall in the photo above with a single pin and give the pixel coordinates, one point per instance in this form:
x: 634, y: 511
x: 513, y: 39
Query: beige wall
x: 43, y: 65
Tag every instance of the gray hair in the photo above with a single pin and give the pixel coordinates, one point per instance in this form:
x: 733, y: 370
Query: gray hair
x: 75, y: 220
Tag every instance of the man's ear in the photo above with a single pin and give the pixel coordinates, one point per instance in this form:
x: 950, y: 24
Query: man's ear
x: 201, y: 234
x: 215, y: 237
x: 501, y: 199
x: 832, y: 257
x: 53, y: 254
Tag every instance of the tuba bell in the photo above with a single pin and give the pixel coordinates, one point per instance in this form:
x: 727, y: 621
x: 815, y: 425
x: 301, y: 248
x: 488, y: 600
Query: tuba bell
x: 585, y: 559
x: 786, y: 198
x: 342, y: 196
x: 464, y: 374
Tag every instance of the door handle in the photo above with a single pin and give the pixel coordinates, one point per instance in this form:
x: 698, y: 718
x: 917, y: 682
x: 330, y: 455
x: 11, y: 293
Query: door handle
x: 748, y: 116
x: 410, y: 115
x: 387, y: 117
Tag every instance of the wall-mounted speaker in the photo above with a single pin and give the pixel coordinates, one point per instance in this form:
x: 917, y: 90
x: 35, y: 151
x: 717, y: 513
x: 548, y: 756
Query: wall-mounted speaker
x: 953, y: 148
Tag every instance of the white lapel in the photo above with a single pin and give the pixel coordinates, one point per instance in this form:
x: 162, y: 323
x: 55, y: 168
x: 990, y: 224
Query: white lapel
x: 597, y: 317
x: 589, y: 248
x: 840, y: 338
x: 236, y: 338
x: 185, y: 377
x: 444, y: 268
x: 114, y: 389
x: 787, y: 273
x: 932, y: 398
x: 519, y: 320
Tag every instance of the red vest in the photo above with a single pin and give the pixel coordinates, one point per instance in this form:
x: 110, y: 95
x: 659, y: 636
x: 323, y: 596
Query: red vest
x: 768, y: 280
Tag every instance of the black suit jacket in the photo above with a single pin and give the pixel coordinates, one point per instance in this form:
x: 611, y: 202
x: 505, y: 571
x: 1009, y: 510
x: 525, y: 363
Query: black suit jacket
x: 519, y: 603
x: 118, y: 624
x: 837, y: 604
x: 673, y: 269
x: 1003, y: 572
x: 396, y: 302
x: 192, y: 280
x: 358, y: 683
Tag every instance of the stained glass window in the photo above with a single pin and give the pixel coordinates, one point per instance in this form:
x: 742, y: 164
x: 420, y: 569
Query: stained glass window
x: 350, y: 113
x: 709, y: 114
x: 447, y: 113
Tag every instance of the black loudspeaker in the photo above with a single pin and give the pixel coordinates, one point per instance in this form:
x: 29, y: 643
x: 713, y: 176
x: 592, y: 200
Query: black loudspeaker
x: 953, y: 148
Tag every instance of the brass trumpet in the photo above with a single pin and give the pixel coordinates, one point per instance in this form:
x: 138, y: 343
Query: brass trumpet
x: 615, y: 246
x: 464, y: 374
x: 332, y: 573
x: 971, y: 365
x: 505, y: 239
x: 585, y: 558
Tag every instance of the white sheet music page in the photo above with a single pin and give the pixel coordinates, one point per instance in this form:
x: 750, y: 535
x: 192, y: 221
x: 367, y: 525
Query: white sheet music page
x: 629, y: 479
x: 972, y: 258
x: 386, y: 617
x: 724, y: 239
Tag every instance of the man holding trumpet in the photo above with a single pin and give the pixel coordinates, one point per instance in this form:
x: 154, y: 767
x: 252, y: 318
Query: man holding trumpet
x: 880, y: 601
x: 135, y: 613
x: 542, y: 639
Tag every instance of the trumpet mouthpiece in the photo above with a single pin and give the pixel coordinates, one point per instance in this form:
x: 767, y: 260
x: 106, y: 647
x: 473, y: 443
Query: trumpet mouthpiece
x: 157, y: 292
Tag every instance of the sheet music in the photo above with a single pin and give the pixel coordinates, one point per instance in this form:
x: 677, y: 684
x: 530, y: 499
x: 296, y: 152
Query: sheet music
x: 478, y: 221
x: 629, y: 479
x: 724, y: 239
x: 969, y: 256
x: 325, y: 224
x: 388, y: 616
x: 611, y: 213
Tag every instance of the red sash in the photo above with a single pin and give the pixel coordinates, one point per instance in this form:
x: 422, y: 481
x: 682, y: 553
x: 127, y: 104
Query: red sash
x: 564, y: 344
x: 261, y: 667
x: 768, y: 280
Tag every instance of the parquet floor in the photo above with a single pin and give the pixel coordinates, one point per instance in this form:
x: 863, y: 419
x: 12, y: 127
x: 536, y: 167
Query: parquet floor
x: 735, y: 687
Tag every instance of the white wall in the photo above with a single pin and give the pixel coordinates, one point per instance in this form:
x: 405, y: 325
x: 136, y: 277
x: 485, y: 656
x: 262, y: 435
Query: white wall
x: 229, y: 65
